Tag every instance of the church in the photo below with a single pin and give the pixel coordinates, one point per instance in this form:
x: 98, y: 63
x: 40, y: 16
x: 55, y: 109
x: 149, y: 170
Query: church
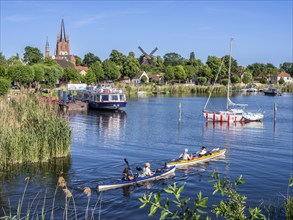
x: 62, y: 52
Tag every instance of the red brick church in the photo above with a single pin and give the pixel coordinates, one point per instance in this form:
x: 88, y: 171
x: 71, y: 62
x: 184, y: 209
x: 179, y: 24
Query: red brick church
x: 62, y: 53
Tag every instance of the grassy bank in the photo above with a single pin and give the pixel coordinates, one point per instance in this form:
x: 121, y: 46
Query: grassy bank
x: 31, y: 131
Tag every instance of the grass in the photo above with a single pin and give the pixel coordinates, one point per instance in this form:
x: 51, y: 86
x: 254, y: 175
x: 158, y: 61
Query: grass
x: 31, y: 131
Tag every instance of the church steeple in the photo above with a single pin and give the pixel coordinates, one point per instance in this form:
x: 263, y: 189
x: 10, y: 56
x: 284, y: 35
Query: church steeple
x: 47, y: 49
x: 63, y: 46
x: 62, y: 32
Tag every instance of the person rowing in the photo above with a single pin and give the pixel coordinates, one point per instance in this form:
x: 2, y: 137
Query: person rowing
x: 147, y: 170
x: 203, y: 151
x: 185, y: 155
x: 126, y: 175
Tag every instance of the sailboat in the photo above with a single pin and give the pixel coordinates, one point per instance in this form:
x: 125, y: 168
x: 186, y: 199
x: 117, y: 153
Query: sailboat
x: 233, y: 112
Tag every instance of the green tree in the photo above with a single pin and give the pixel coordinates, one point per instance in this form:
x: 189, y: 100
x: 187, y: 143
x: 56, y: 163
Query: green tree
x: 2, y: 59
x: 281, y: 81
x: 287, y: 67
x: 169, y: 73
x: 51, y: 75
x: 234, y: 64
x: 131, y: 54
x: 21, y: 75
x: 247, y: 78
x: 263, y: 80
x: 90, y: 59
x: 235, y: 79
x: 39, y: 75
x: 111, y: 70
x: 173, y: 59
x: 90, y: 77
x: 143, y: 79
x: 70, y: 74
x: 49, y: 61
x: 159, y: 63
x: 3, y: 71
x: 98, y: 70
x: 202, y: 80
x: 205, y: 71
x: 214, y: 63
x: 78, y: 60
x: 190, y: 72
x: 179, y: 73
x: 32, y: 55
x: 130, y: 67
x: 257, y: 68
x: 117, y: 57
x: 4, y: 86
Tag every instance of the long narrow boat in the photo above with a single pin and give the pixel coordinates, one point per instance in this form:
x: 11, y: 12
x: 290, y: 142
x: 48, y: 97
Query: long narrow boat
x: 159, y: 174
x: 196, y: 159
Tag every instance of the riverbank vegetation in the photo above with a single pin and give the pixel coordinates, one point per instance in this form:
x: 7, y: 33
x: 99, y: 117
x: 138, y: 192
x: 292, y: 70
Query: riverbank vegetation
x: 31, y: 131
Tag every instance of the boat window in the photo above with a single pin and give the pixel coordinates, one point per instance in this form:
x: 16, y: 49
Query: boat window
x: 98, y: 98
x: 105, y: 97
x: 115, y: 97
x: 122, y: 98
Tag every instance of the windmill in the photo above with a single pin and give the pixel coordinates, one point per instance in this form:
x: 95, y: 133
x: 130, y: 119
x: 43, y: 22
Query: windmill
x: 146, y: 58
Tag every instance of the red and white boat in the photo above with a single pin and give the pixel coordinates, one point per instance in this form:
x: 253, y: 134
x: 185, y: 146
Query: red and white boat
x: 234, y: 112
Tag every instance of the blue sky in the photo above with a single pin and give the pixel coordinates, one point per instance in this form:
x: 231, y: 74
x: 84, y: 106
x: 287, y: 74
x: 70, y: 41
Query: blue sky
x: 262, y: 30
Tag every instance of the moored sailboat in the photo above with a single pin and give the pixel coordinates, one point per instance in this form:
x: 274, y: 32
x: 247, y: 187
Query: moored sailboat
x: 233, y: 112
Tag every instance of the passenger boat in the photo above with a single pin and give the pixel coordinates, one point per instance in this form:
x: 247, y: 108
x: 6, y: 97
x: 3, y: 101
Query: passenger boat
x: 196, y: 159
x: 104, y: 96
x: 163, y: 173
x: 233, y: 112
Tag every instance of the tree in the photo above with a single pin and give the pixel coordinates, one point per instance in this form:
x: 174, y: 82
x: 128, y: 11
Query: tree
x: 111, y: 70
x: 131, y: 54
x: 281, y: 81
x: 49, y: 61
x: 214, y: 63
x: 130, y: 67
x: 173, y: 59
x: 169, y: 73
x: 117, y: 57
x: 97, y: 69
x: 287, y: 67
x: 3, y: 71
x: 2, y: 59
x: 39, y: 74
x: 205, y: 71
x: 202, y: 80
x: 235, y: 79
x: 190, y: 72
x: 4, y: 86
x: 234, y: 64
x: 256, y: 68
x: 90, y: 77
x: 179, y: 73
x: 89, y: 59
x: 51, y: 75
x: 263, y: 80
x: 22, y: 75
x: 32, y: 55
x: 247, y: 78
x: 78, y: 60
x: 70, y: 74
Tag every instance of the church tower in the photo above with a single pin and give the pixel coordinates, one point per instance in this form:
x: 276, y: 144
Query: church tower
x: 47, y: 49
x: 62, y: 47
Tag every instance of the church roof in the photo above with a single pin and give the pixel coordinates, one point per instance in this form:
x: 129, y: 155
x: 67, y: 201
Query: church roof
x: 62, y: 32
x: 65, y: 63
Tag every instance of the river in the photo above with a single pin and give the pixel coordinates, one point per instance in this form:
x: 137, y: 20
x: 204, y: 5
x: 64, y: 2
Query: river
x: 149, y: 130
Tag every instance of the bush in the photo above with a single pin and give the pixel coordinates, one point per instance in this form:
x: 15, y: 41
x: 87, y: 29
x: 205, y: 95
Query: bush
x: 263, y: 80
x: 235, y: 79
x: 202, y: 80
x: 281, y: 81
x: 4, y: 86
x: 224, y: 82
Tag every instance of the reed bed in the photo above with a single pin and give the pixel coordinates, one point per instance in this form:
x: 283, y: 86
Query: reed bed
x: 31, y: 131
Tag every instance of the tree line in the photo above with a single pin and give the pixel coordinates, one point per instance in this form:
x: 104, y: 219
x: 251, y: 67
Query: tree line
x: 34, y: 69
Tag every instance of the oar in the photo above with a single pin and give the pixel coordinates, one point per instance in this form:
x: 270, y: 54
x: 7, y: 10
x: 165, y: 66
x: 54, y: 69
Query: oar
x: 126, y: 161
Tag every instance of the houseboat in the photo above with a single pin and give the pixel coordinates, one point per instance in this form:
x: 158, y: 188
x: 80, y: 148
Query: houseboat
x: 104, y: 96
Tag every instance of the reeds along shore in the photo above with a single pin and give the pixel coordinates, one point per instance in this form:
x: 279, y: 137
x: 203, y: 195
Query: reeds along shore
x: 31, y: 131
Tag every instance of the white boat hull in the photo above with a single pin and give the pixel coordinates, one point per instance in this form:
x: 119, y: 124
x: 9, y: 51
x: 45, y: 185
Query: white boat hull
x: 230, y: 116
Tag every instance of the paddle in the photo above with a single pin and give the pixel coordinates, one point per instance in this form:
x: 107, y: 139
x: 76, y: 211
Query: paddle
x: 126, y: 161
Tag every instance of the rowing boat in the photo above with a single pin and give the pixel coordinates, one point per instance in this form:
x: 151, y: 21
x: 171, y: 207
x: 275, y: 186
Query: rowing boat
x: 159, y: 174
x: 196, y: 159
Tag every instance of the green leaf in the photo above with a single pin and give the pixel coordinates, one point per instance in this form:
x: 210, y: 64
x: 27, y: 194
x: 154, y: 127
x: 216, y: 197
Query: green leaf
x: 157, y: 198
x: 153, y: 210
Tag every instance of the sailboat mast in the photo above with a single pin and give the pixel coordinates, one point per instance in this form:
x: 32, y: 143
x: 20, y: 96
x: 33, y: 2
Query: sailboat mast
x: 229, y: 73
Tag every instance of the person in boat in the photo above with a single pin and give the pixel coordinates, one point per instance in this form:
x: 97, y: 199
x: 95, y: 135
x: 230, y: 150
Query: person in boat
x: 185, y: 155
x: 203, y: 152
x: 126, y: 175
x: 147, y: 170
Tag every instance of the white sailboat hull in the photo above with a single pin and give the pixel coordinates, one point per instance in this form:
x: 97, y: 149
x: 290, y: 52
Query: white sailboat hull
x: 231, y: 116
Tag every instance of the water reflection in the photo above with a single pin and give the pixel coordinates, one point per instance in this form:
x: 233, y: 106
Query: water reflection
x: 111, y: 123
x: 233, y: 125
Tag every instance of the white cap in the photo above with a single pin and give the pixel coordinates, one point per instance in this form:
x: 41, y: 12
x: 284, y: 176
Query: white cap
x: 186, y: 150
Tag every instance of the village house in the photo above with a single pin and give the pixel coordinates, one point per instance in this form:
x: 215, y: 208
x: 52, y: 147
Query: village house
x: 82, y: 70
x: 286, y: 76
x: 156, y: 78
x: 137, y: 79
